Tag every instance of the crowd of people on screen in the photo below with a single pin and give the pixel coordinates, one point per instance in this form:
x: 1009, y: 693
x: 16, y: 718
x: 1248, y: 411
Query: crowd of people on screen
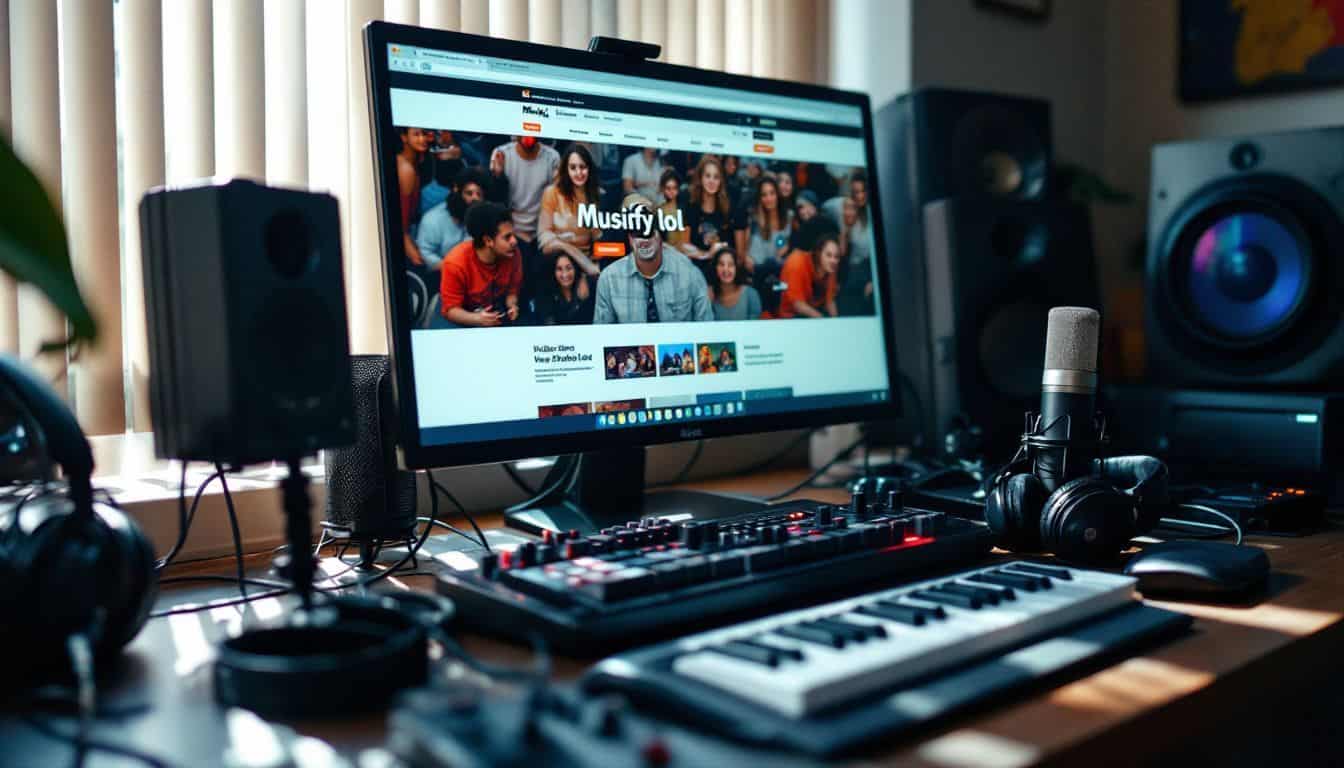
x: 492, y: 229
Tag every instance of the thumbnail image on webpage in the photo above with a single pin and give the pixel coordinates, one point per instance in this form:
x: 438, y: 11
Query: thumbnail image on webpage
x: 527, y: 231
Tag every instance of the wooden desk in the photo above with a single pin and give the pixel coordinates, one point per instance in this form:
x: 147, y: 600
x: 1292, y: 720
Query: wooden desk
x: 1251, y: 684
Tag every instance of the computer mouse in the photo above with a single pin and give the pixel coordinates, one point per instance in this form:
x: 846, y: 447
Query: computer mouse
x: 1198, y: 569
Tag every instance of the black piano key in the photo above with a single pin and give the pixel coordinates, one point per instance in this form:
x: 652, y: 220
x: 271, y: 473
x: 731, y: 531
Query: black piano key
x: 1003, y: 593
x: 811, y: 635
x: 871, y: 630
x: 986, y: 596
x: 1041, y: 581
x: 905, y: 614
x: 746, y: 652
x: 1053, y: 572
x: 1005, y: 580
x: 936, y: 595
x: 784, y: 653
x: 847, y: 631
x: 930, y: 611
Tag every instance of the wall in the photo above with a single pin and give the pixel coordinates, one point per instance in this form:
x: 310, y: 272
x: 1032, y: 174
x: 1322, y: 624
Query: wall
x: 1142, y: 108
x: 960, y: 44
x: 870, y: 47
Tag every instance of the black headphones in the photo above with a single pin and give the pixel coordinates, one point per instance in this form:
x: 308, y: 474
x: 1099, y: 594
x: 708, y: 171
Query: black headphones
x: 1088, y: 519
x: 68, y: 563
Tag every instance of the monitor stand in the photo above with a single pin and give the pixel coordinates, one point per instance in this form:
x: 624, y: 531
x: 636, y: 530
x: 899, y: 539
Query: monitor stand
x: 597, y: 489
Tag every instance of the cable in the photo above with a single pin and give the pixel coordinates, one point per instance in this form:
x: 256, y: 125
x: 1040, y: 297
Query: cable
x: 237, y: 535
x: 780, y: 454
x: 220, y: 603
x: 685, y: 472
x: 563, y: 475
x: 518, y: 479
x: 819, y: 471
x: 221, y: 578
x: 182, y: 523
x: 435, y: 485
x: 95, y: 745
x: 415, y: 548
x: 451, y: 529
x: 1231, y: 524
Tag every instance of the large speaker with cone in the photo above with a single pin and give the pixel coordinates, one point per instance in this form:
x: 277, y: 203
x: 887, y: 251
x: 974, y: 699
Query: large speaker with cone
x: 1244, y: 270
x: 979, y: 250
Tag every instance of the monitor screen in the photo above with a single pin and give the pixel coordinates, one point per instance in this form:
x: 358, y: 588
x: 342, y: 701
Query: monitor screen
x: 581, y: 254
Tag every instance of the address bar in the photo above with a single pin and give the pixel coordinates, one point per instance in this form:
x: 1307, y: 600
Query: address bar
x: 601, y: 89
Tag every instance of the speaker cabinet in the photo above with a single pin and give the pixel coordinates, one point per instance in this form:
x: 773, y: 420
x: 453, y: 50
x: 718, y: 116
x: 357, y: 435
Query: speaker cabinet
x: 245, y: 304
x: 366, y: 492
x: 981, y: 163
x: 1244, y: 272
x: 997, y: 267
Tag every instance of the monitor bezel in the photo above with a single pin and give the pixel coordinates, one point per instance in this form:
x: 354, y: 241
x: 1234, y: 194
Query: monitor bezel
x: 414, y: 455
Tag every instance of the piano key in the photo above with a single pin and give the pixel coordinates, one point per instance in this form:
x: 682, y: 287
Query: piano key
x: 986, y: 596
x: 931, y: 610
x: 1003, y: 593
x: 748, y: 652
x: 915, y: 617
x: 1043, y: 582
x: 784, y: 653
x: 1053, y: 572
x: 840, y: 629
x: 1005, y: 580
x: 871, y: 629
x: 937, y: 595
x: 811, y: 635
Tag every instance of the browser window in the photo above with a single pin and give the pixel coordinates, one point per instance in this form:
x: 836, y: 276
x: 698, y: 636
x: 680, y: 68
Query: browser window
x: 589, y: 250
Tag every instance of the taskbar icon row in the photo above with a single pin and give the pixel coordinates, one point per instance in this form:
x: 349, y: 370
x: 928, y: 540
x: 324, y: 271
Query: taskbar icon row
x: 659, y: 415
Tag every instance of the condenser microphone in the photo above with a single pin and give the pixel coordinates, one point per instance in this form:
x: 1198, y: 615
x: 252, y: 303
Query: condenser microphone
x: 1065, y: 438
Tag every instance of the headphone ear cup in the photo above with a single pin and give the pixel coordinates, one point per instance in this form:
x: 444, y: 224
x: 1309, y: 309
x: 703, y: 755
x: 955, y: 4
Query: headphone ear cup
x: 1086, y: 520
x: 130, y: 566
x: 1011, y: 508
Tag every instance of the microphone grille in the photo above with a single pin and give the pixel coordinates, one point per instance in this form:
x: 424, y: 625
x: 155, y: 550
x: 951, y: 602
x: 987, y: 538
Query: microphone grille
x: 1071, y: 339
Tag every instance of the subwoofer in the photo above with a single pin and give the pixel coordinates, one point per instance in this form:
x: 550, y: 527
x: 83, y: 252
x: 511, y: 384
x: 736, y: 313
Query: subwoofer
x: 978, y: 252
x: 245, y: 306
x: 1244, y: 272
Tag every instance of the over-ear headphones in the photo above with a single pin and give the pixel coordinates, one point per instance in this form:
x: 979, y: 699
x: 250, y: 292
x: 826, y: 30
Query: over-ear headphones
x: 68, y: 563
x: 1087, y: 519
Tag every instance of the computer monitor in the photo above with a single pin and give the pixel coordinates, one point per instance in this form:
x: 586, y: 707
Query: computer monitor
x: 588, y: 252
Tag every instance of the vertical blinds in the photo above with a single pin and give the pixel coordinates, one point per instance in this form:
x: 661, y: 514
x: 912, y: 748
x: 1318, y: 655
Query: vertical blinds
x: 272, y: 90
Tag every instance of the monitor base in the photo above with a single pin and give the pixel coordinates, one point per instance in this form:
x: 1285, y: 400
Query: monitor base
x: 598, y: 489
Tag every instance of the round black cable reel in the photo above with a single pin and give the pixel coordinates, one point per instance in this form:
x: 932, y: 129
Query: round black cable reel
x: 348, y: 655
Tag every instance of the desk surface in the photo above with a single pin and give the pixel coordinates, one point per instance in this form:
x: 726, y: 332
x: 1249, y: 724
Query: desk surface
x: 1146, y: 708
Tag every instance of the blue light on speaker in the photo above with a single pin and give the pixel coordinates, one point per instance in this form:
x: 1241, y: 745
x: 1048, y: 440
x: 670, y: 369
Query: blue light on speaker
x: 1247, y: 274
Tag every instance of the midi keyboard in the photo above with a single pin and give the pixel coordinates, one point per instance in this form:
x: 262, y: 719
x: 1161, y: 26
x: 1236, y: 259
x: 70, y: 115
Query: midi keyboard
x: 653, y: 578
x: 831, y: 677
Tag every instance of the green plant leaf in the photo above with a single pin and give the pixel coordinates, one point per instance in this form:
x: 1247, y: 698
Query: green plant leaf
x: 33, y: 247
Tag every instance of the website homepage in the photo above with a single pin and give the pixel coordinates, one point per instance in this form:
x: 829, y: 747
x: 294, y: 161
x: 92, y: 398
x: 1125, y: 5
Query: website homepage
x: 597, y: 251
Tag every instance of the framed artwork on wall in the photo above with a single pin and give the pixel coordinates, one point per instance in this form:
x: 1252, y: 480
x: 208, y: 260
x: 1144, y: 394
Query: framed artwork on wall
x: 1235, y: 48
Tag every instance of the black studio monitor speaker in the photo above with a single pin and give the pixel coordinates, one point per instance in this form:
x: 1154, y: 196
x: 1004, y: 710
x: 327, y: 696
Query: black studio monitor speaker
x: 366, y: 492
x: 245, y: 304
x: 1246, y: 262
x: 978, y: 251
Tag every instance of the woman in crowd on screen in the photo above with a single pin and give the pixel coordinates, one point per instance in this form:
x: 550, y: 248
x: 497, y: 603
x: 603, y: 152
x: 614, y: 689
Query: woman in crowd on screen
x: 558, y: 230
x: 771, y: 227
x: 710, y: 220
x: 732, y: 298
x: 669, y: 186
x: 414, y: 144
x: 567, y: 300
x: 811, y: 280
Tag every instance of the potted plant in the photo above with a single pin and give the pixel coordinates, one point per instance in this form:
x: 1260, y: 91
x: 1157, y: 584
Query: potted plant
x: 33, y: 249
